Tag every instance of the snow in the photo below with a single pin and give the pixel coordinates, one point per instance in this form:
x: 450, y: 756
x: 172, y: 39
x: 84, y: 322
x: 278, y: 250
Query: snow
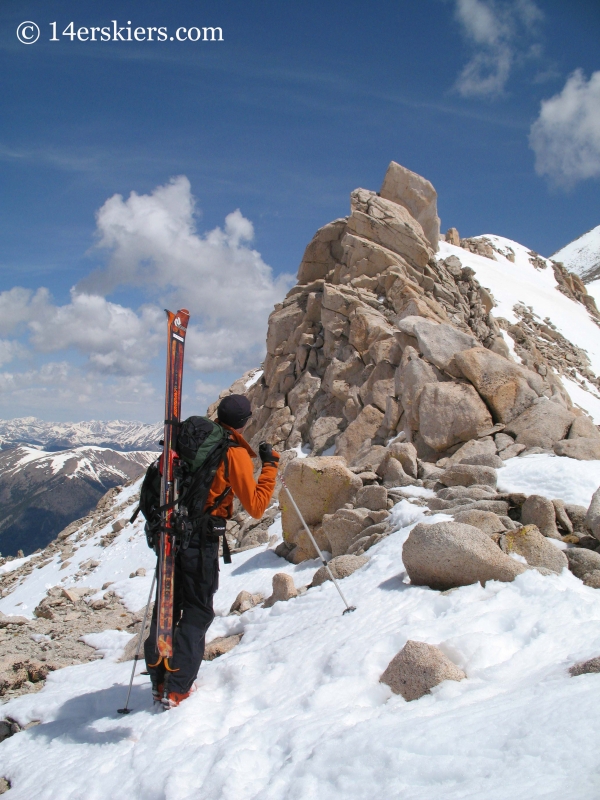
x: 581, y: 255
x: 553, y: 477
x: 588, y: 400
x: 9, y: 566
x: 296, y: 710
x: 522, y: 283
x: 254, y: 378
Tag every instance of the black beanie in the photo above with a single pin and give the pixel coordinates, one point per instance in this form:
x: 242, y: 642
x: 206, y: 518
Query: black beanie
x: 234, y: 410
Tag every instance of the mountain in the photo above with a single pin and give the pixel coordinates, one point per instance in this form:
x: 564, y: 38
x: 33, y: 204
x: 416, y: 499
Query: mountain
x: 41, y: 492
x: 118, y: 435
x: 434, y: 400
x: 582, y: 255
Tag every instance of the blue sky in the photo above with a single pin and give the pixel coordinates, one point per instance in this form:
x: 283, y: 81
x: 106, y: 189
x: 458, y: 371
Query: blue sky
x: 256, y: 142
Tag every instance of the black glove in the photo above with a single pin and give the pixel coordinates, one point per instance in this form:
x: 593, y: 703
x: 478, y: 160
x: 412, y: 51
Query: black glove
x: 267, y: 456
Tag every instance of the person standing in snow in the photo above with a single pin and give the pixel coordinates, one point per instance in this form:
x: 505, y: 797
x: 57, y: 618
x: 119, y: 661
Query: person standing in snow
x: 197, y: 566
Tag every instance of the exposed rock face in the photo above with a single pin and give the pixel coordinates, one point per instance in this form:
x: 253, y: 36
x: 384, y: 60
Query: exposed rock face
x: 450, y: 413
x: 417, y: 195
x: 505, y: 386
x: 341, y: 567
x: 417, y: 668
x: 319, y: 486
x: 541, y: 425
x: 381, y: 344
x: 450, y: 554
x: 535, y: 548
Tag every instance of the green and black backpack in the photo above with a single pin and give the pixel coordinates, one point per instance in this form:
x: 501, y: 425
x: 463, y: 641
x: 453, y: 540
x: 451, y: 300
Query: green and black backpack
x: 201, y: 446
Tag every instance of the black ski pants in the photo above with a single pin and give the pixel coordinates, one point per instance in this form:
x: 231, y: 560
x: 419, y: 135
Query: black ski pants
x: 196, y: 581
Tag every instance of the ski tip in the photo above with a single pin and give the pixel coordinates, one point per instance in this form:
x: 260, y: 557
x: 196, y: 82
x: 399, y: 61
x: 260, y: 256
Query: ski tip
x: 349, y: 609
x: 123, y: 711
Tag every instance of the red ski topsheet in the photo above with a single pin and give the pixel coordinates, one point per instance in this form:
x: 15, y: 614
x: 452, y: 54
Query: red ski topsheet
x: 177, y: 326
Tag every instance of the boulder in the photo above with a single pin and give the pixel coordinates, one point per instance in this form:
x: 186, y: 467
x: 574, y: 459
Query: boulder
x: 221, y: 645
x: 580, y: 448
x: 535, y: 548
x: 393, y: 474
x: 341, y: 567
x: 450, y: 413
x: 450, y: 554
x: 344, y: 527
x: 475, y: 447
x: 406, y: 454
x: 283, y: 589
x: 244, y: 602
x: 417, y: 668
x: 592, y: 579
x: 503, y: 440
x: 372, y: 497
x: 505, y: 386
x: 592, y: 517
x: 469, y: 492
x: 512, y: 451
x: 486, y: 521
x: 583, y: 428
x: 440, y: 342
x: 577, y: 515
x: 483, y: 460
x: 417, y: 195
x: 585, y: 667
x: 542, y: 425
x: 320, y: 486
x: 468, y: 475
x: 364, y: 427
x: 539, y: 511
x: 562, y: 518
x: 582, y: 561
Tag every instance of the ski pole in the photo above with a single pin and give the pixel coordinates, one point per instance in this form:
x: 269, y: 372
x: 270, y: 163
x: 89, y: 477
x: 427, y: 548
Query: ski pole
x: 316, y: 546
x: 136, y: 658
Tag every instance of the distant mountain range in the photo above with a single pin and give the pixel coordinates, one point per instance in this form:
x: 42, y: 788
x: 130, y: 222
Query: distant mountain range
x: 582, y: 255
x: 42, y: 492
x: 52, y: 436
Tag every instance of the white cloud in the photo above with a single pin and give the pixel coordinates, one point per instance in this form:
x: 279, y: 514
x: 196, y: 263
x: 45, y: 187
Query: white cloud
x: 153, y: 245
x: 224, y: 283
x: 566, y: 135
x: 115, y: 338
x: 496, y: 30
x: 61, y: 390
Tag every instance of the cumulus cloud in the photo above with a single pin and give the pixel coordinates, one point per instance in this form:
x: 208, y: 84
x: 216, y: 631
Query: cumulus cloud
x: 566, y: 135
x: 497, y: 31
x: 152, y: 245
x: 218, y: 276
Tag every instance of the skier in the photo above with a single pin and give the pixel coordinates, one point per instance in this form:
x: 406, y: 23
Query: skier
x: 197, y: 566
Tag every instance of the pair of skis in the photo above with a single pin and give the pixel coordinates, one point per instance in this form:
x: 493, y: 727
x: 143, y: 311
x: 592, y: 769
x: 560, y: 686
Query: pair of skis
x: 177, y: 328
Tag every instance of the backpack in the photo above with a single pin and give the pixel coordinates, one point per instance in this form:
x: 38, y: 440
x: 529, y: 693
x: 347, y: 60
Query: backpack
x: 201, y: 446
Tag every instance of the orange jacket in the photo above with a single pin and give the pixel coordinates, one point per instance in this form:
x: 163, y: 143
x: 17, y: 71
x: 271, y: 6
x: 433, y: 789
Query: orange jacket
x: 254, y: 497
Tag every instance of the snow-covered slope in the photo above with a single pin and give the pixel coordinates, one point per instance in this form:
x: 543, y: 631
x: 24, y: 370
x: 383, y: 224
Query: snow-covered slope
x: 582, y: 255
x: 117, y: 434
x: 530, y: 282
x: 297, y: 711
x: 41, y: 493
